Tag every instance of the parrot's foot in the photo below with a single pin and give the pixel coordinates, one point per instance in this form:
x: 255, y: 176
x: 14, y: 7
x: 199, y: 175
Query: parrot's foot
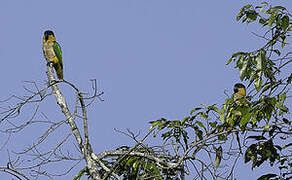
x: 54, y: 82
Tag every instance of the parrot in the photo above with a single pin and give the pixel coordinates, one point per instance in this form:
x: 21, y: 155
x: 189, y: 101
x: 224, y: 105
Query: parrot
x: 239, y: 92
x: 52, y: 52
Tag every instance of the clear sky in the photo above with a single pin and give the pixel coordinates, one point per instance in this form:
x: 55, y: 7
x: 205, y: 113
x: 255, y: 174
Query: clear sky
x: 153, y: 59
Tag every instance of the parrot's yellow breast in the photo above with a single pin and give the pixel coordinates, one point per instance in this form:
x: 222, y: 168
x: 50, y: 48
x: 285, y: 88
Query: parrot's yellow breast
x: 49, y: 52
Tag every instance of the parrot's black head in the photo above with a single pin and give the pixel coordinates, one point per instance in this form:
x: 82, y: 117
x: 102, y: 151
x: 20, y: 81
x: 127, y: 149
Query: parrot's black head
x: 238, y: 86
x: 48, y: 33
x: 239, y: 91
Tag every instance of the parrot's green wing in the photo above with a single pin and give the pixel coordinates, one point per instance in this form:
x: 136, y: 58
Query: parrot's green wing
x: 58, y: 52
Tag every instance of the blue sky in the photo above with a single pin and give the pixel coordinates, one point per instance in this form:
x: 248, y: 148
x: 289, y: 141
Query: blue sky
x: 153, y: 59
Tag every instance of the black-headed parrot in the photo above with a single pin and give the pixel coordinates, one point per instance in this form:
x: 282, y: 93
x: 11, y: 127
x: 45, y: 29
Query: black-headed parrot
x: 52, y: 52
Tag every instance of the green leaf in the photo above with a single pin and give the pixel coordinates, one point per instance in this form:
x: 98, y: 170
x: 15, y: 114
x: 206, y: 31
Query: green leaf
x: 285, y: 22
x: 259, y: 62
x: 258, y: 84
x: 286, y: 121
x: 267, y: 176
x: 278, y: 147
x: 242, y: 11
x: 221, y: 115
x: 289, y: 80
x: 245, y: 119
x: 214, y: 108
x: 153, y: 124
x: 222, y: 112
x: 263, y: 58
x: 263, y: 21
x: 213, y: 124
x: 255, y: 117
x: 257, y: 137
x: 198, y: 132
x: 200, y: 124
x: 287, y: 145
x: 250, y: 153
x: 203, y: 115
x: 244, y: 19
x: 166, y: 135
x: 266, y: 127
x: 272, y: 18
x: 277, y: 52
x: 262, y: 10
x: 222, y: 137
x: 184, y: 120
x: 251, y: 15
x: 280, y: 7
x: 161, y: 123
x: 218, y: 156
x: 282, y: 97
x: 136, y: 165
x: 243, y: 69
x: 284, y: 41
x: 131, y: 161
x: 195, y: 109
x: 229, y: 60
x: 247, y: 6
x: 234, y: 56
x: 239, y: 16
x: 174, y: 124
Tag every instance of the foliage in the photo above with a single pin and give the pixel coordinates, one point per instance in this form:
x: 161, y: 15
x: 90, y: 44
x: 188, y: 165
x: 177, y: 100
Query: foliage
x: 260, y: 117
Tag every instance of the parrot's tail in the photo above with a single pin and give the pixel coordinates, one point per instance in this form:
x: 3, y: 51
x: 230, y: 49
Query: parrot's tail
x: 59, y: 70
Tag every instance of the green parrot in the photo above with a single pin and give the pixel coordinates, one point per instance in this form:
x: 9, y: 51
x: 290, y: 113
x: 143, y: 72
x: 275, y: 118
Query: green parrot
x: 233, y: 102
x: 52, y: 52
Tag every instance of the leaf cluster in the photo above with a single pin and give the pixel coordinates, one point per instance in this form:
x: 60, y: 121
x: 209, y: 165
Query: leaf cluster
x: 263, y: 111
